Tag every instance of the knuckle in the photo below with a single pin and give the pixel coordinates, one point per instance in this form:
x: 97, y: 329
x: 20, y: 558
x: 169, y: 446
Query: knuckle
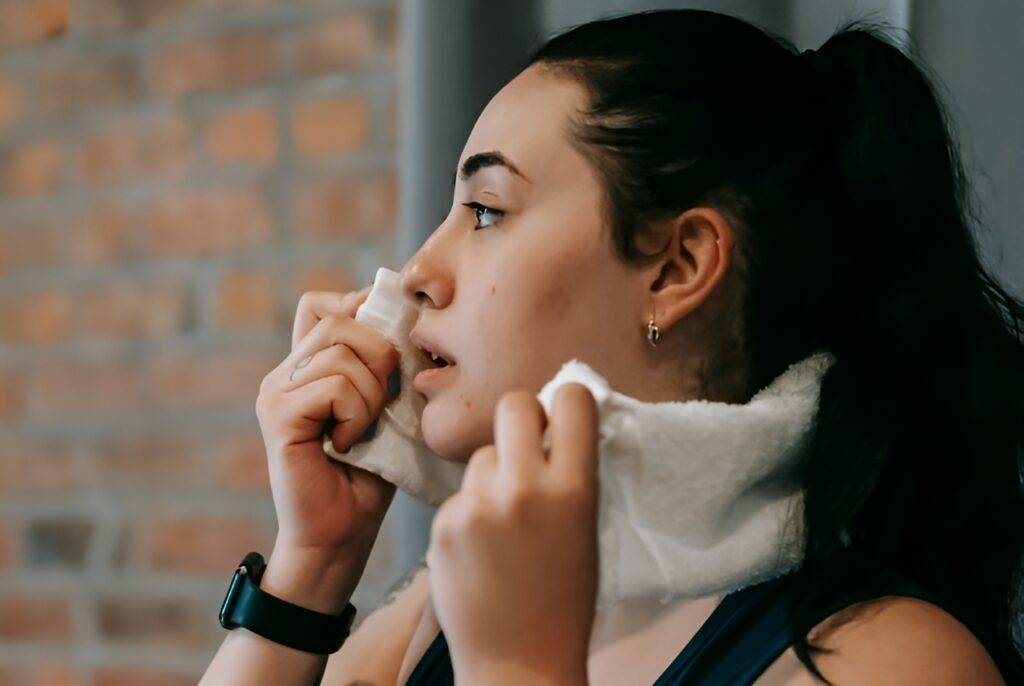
x: 519, y: 501
x: 335, y: 320
x: 442, y: 531
x: 340, y: 385
x: 472, y: 514
x: 305, y: 302
x: 340, y: 352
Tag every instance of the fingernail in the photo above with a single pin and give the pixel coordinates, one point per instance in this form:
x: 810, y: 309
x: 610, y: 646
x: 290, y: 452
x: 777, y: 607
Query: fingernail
x: 395, y: 382
x: 370, y: 432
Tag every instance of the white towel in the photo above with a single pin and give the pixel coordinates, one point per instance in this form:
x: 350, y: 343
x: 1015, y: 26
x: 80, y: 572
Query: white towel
x: 696, y: 497
x: 397, y: 451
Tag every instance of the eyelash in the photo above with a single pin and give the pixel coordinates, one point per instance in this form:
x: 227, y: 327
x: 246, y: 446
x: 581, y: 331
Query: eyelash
x: 476, y: 207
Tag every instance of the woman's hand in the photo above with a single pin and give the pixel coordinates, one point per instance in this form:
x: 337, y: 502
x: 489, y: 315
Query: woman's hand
x: 513, y: 554
x: 328, y: 512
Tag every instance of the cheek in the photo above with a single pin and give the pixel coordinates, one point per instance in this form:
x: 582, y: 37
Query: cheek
x: 454, y: 427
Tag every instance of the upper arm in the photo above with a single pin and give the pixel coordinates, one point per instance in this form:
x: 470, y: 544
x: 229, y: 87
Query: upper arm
x: 898, y: 640
x: 373, y: 653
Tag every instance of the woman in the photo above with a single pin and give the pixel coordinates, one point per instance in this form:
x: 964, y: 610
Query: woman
x: 681, y: 172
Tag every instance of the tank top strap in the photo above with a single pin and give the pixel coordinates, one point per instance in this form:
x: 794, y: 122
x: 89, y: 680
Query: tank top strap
x: 435, y: 667
x: 747, y: 631
x: 744, y: 634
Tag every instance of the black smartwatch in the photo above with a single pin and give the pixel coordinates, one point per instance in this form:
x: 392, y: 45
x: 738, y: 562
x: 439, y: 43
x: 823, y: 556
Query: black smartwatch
x: 245, y: 605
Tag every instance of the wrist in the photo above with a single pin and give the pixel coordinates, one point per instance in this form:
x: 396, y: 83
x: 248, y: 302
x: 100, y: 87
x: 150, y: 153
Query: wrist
x: 314, y: 578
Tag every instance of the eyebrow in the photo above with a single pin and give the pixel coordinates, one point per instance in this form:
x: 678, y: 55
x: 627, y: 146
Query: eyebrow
x: 491, y: 158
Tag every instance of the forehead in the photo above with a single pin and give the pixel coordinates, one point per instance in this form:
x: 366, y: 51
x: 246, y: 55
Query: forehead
x: 526, y: 122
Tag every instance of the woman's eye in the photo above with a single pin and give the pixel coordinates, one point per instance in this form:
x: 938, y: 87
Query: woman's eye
x: 478, y: 208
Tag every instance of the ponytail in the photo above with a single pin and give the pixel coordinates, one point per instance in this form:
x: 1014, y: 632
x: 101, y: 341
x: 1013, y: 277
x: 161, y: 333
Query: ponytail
x: 916, y: 461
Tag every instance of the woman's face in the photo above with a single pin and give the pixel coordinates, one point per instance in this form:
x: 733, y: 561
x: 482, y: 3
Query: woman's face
x: 515, y: 290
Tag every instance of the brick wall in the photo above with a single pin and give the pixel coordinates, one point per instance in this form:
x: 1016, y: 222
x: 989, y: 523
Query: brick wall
x: 173, y: 175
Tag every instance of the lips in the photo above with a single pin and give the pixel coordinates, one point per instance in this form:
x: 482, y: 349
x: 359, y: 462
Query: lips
x: 431, y: 349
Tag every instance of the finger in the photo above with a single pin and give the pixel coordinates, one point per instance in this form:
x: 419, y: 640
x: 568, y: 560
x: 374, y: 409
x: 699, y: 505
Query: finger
x: 330, y: 399
x: 481, y: 471
x: 339, y: 359
x: 351, y: 418
x: 315, y: 305
x: 370, y: 346
x: 519, y: 422
x: 574, y: 424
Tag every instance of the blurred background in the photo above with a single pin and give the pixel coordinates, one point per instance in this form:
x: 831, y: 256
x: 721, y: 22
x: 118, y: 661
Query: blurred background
x: 174, y: 174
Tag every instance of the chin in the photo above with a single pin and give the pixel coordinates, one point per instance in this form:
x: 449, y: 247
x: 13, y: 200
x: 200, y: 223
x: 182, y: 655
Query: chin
x: 449, y: 434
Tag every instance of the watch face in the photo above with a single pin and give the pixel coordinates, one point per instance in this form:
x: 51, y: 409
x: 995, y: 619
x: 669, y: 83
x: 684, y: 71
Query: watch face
x: 228, y: 606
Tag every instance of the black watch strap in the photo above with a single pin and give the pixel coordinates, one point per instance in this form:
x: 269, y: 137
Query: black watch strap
x: 245, y: 605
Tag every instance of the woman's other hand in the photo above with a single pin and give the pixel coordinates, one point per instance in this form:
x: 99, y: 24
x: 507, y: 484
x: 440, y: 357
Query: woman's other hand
x: 334, y: 379
x: 513, y: 554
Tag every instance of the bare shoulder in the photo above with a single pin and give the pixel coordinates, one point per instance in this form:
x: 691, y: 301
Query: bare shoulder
x: 374, y: 652
x: 890, y: 640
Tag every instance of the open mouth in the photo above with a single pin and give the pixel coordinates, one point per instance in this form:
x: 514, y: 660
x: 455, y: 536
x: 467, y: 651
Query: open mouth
x: 439, y: 361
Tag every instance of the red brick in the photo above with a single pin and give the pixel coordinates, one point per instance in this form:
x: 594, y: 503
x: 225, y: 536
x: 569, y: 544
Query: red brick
x: 42, y: 317
x: 214, y: 545
x: 327, y: 127
x: 12, y: 394
x: 348, y: 206
x: 140, y: 676
x: 11, y: 101
x: 45, y: 674
x: 103, y: 234
x: 325, y: 278
x: 33, y: 169
x: 246, y: 300
x: 38, y: 242
x: 74, y: 84
x: 35, y: 618
x: 157, y: 149
x: 207, y: 221
x: 94, y: 236
x: 57, y: 674
x: 31, y: 20
x: 340, y: 44
x: 37, y: 465
x: 242, y: 136
x: 130, y: 311
x: 83, y: 388
x: 222, y: 63
x: 242, y: 463
x: 164, y: 622
x: 231, y: 377
x: 170, y: 460
x: 125, y: 14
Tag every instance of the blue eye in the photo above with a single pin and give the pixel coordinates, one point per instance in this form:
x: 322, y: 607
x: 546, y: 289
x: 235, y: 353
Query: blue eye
x: 477, y: 207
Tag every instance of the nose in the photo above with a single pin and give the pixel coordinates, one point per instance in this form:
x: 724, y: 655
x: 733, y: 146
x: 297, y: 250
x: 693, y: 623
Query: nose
x: 424, y: 278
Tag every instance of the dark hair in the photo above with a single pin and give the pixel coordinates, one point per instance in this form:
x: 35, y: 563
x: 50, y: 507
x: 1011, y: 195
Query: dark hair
x: 914, y: 462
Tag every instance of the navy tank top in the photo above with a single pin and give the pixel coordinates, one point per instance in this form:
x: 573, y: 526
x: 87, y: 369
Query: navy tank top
x: 747, y: 631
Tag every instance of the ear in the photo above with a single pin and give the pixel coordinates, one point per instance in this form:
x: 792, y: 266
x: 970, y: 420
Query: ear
x: 695, y: 261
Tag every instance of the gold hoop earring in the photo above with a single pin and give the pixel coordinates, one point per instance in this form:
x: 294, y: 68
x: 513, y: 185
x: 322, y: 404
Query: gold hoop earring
x: 653, y: 334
